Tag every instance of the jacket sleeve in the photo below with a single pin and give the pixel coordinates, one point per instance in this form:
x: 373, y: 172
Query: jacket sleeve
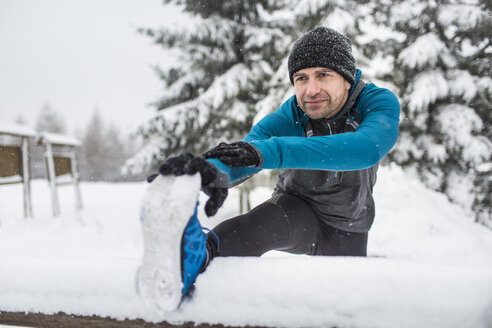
x: 284, y: 121
x: 379, y: 111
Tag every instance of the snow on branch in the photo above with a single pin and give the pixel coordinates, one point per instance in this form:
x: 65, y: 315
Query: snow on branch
x: 427, y: 87
x: 407, y: 11
x: 307, y: 7
x: 259, y: 37
x: 407, y: 148
x: 376, y: 32
x: 175, y: 90
x: 144, y: 158
x: 162, y: 127
x: 340, y: 20
x: 276, y: 16
x: 425, y: 51
x: 226, y: 85
x: 434, y: 150
x: 484, y: 84
x: 462, y: 126
x: 462, y: 83
x: 465, y: 16
x: 197, y: 36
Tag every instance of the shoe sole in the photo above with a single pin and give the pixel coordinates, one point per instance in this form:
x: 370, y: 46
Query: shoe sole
x: 167, y: 206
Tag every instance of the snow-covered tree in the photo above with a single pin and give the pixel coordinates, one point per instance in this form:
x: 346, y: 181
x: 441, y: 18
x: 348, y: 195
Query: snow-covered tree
x: 441, y: 63
x: 20, y: 120
x: 104, y: 151
x: 49, y: 120
x: 93, y: 149
x: 227, y: 53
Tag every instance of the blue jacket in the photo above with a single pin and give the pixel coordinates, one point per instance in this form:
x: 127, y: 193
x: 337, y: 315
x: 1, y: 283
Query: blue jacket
x: 279, y: 137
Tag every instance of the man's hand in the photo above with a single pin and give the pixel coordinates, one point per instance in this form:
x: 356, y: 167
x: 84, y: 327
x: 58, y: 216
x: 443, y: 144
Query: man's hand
x: 237, y: 154
x: 213, y: 183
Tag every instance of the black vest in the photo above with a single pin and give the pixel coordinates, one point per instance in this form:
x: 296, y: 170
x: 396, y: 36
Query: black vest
x: 342, y: 199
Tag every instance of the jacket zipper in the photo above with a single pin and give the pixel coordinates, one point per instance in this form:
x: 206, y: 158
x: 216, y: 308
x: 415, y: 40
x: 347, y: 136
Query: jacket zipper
x: 329, y: 130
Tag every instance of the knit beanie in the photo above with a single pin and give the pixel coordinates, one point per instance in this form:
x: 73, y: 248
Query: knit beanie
x: 323, y: 47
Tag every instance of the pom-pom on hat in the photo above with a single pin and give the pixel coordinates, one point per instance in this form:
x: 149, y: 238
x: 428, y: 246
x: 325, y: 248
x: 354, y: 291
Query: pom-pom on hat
x: 323, y: 47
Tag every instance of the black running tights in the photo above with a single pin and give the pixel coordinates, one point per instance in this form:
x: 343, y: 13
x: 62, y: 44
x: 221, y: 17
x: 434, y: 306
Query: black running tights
x: 286, y: 223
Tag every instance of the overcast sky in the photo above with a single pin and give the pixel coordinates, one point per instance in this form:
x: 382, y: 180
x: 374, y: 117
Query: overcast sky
x: 78, y: 55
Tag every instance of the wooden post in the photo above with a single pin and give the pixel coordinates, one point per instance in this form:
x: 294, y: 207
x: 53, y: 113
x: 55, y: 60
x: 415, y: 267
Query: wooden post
x: 55, y: 205
x: 26, y: 178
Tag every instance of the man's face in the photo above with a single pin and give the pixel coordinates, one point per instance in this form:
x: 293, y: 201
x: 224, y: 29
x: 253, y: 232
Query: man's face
x: 320, y: 92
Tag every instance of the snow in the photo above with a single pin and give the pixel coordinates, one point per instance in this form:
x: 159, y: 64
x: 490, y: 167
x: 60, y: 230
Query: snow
x: 227, y: 85
x: 461, y: 187
x: 435, y: 151
x: 407, y: 11
x: 426, y: 50
x: 189, y: 78
x: 463, y: 127
x: 428, y: 87
x: 339, y: 20
x: 11, y: 179
x: 464, y: 15
x: 463, y: 84
x: 58, y: 139
x: 17, y: 129
x: 429, y: 264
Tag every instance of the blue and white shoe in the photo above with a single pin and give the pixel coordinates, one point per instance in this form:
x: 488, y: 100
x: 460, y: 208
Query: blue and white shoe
x: 193, y: 252
x: 174, y: 243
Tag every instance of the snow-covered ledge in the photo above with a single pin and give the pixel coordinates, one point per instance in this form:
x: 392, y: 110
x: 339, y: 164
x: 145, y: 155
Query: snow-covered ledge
x: 57, y: 139
x: 17, y: 130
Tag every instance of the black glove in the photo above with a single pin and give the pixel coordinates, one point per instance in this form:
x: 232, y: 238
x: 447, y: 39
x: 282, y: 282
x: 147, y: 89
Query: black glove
x: 237, y: 154
x: 214, y: 183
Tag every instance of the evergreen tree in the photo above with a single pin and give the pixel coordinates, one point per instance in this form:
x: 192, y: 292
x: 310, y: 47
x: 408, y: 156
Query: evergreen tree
x: 49, y: 120
x: 93, y: 150
x: 441, y: 65
x: 104, y: 151
x: 20, y: 120
x: 226, y: 55
x: 116, y: 153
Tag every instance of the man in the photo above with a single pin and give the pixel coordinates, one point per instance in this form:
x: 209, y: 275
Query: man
x: 327, y: 141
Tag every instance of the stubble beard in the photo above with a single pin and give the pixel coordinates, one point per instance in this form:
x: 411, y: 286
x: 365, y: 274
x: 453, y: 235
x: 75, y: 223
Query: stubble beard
x: 327, y: 108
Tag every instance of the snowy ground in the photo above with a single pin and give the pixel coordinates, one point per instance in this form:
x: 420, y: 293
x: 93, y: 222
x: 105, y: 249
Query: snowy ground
x: 429, y: 265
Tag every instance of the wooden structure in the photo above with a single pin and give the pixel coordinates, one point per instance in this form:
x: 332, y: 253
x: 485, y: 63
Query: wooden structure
x: 14, y: 159
x: 61, y: 165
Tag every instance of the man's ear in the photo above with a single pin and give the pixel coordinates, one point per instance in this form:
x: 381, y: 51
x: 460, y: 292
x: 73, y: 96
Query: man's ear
x: 347, y: 85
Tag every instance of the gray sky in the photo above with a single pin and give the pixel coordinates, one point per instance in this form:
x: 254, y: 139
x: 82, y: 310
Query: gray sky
x: 78, y: 55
